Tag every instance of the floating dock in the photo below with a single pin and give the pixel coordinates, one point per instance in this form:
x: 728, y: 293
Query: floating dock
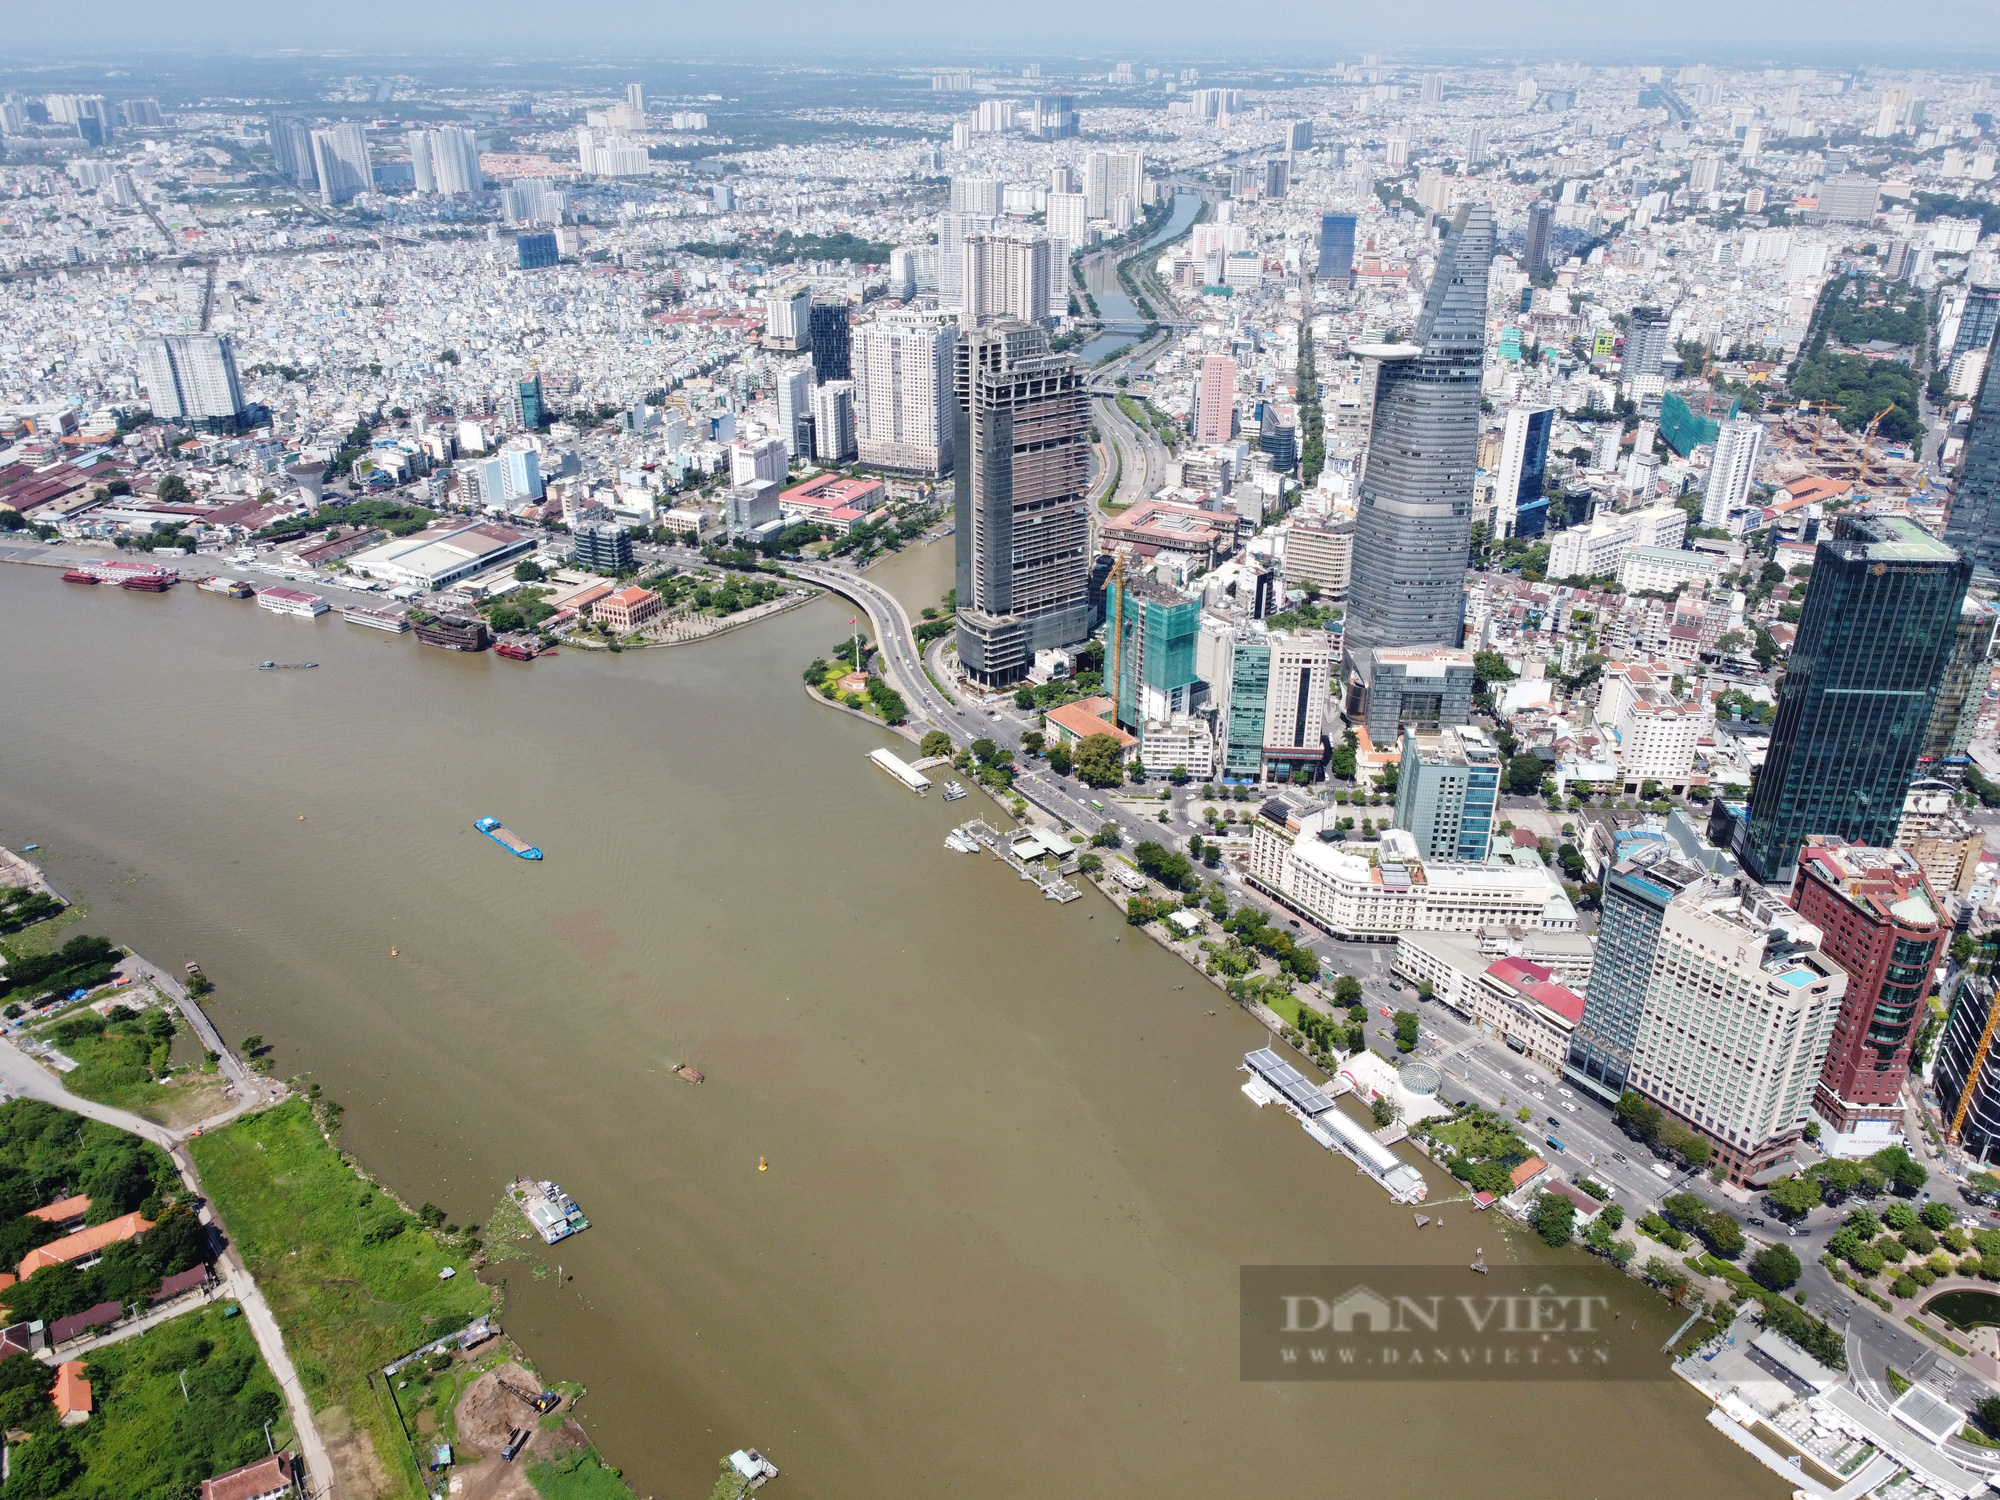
x: 284, y: 601
x: 553, y: 1212
x: 902, y: 770
x: 1004, y: 847
x: 235, y: 588
x: 1274, y: 1079
x: 495, y: 830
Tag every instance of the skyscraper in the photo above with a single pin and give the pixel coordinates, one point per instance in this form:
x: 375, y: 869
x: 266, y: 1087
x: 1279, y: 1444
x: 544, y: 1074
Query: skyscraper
x: 1875, y: 636
x: 1739, y: 1009
x: 1961, y: 692
x: 1446, y: 791
x: 1519, y: 506
x: 1737, y: 447
x: 1215, y: 411
x: 1336, y: 248
x: 830, y: 347
x: 1880, y: 923
x: 1637, y: 888
x: 833, y: 421
x: 902, y: 384
x: 190, y: 376
x: 1976, y: 321
x: 1150, y: 647
x: 455, y: 160
x: 1541, y: 219
x: 292, y: 150
x: 1415, y: 515
x: 1109, y: 176
x: 423, y: 174
x: 1021, y: 448
x: 1973, y: 523
x: 340, y: 157
x: 1645, y: 343
x: 795, y: 388
x: 1010, y: 276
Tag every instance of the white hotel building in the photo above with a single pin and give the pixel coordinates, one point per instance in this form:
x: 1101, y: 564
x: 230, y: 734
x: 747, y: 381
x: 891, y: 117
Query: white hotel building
x: 1374, y: 893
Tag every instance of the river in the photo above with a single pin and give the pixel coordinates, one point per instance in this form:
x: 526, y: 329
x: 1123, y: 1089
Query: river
x: 1122, y: 318
x: 1011, y: 1176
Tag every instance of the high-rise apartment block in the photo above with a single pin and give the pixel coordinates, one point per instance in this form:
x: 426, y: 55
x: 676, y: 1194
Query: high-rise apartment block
x: 1739, y: 1010
x: 340, y: 158
x: 1021, y: 473
x: 833, y: 420
x: 1069, y: 220
x: 1414, y: 525
x: 903, y: 387
x: 190, y: 376
x: 1011, y: 277
x: 1881, y: 924
x: 1215, y: 410
x: 788, y: 318
x: 292, y: 150
x: 1109, y: 176
x: 1730, y: 473
x: 1646, y: 343
x: 1875, y: 636
x: 1320, y: 555
x: 1446, y: 791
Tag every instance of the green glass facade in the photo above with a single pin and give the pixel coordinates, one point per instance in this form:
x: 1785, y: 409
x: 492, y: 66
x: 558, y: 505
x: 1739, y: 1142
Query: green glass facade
x: 1249, y: 686
x: 1155, y: 659
x: 1880, y: 621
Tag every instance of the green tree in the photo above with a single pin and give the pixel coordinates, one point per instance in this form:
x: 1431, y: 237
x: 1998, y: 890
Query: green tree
x: 1100, y: 761
x: 1553, y: 1218
x: 171, y: 490
x: 1794, y: 1196
x: 1723, y: 1234
x: 1987, y: 1415
x: 1406, y: 1031
x: 1489, y: 667
x: 1107, y: 836
x: 1897, y: 1166
x: 528, y: 572
x: 1524, y: 774
x: 1059, y: 759
x: 937, y: 742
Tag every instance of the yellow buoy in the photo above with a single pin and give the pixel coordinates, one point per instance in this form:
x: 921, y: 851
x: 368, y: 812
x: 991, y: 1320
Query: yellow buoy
x: 302, y: 817
x: 762, y: 1165
x: 392, y: 953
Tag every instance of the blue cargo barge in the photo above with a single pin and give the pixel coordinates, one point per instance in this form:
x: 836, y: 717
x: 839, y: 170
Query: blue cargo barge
x: 512, y: 842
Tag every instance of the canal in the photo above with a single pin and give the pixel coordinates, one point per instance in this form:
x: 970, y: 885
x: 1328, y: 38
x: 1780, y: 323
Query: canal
x: 1011, y: 1175
x: 1123, y: 320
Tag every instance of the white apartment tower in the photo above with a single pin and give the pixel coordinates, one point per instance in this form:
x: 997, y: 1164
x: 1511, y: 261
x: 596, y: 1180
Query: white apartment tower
x: 455, y: 160
x: 787, y: 313
x: 1069, y: 219
x: 833, y: 421
x: 904, y: 413
x: 340, y: 155
x: 1111, y: 175
x: 190, y: 375
x: 795, y: 389
x: 1007, y: 276
x: 1730, y: 472
x: 1738, y: 1013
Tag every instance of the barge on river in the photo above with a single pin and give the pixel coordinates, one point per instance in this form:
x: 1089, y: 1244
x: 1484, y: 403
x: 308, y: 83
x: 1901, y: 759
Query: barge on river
x: 495, y: 830
x: 551, y: 1211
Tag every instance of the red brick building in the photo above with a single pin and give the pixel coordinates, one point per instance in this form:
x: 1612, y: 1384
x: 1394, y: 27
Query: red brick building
x: 1883, y: 926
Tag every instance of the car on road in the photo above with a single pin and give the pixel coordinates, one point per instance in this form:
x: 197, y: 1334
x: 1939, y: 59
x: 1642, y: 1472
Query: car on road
x: 1571, y: 1107
x: 1618, y: 1156
x: 1554, y: 1121
x: 1753, y: 1219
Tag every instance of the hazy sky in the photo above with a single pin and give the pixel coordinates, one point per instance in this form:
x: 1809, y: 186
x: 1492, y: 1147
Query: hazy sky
x: 1273, y: 31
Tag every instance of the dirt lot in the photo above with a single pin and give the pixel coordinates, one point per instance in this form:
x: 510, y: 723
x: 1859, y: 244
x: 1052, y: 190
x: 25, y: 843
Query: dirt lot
x: 486, y: 1414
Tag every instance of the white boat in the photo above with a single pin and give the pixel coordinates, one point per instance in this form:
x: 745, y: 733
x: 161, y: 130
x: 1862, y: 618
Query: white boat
x: 953, y: 791
x: 962, y: 843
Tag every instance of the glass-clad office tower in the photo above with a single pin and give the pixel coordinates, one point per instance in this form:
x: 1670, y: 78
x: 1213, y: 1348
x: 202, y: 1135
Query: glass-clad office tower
x: 1973, y: 523
x: 1880, y: 619
x: 1336, y: 248
x: 1636, y: 891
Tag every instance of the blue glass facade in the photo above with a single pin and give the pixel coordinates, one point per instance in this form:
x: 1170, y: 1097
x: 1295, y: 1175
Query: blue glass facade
x: 1249, y: 687
x: 1336, y: 248
x: 1880, y: 620
x: 1636, y: 893
x: 534, y: 251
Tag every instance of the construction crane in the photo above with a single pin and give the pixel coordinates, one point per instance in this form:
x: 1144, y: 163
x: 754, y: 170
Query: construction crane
x: 1868, y: 442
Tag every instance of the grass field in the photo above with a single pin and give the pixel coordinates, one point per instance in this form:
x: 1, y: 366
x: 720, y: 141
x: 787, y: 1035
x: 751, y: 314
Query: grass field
x: 145, y: 1437
x: 124, y: 1063
x: 42, y: 937
x: 351, y: 1277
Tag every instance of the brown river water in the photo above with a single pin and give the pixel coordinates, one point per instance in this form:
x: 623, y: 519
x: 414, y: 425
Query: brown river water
x: 1011, y: 1174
